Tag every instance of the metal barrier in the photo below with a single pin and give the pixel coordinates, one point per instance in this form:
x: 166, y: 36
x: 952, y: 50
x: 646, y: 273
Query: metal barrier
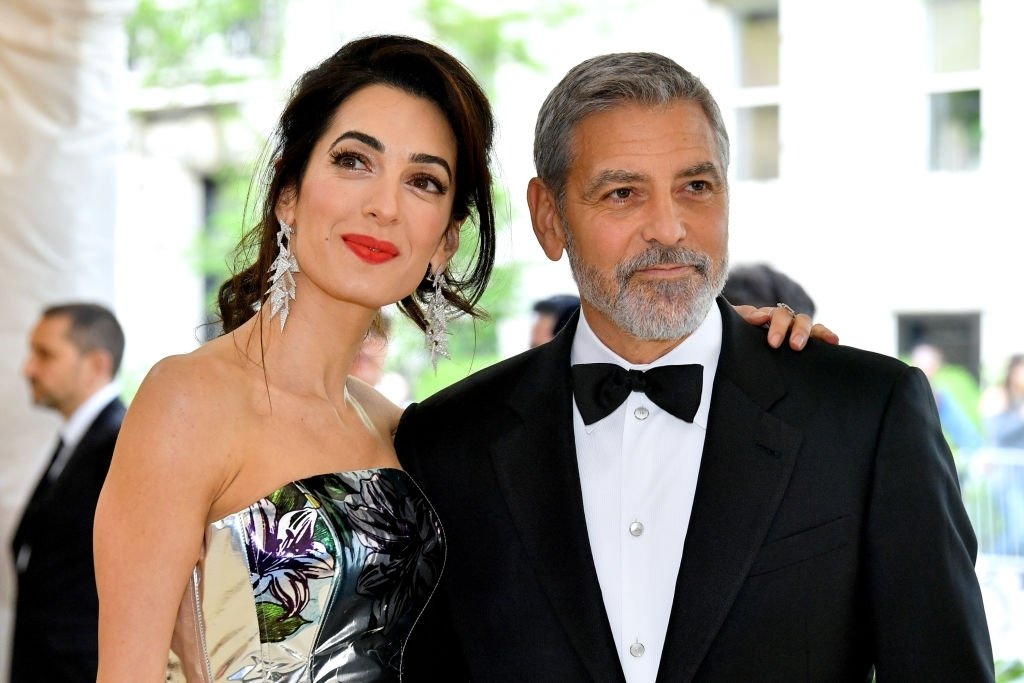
x: 992, y: 481
x: 993, y: 491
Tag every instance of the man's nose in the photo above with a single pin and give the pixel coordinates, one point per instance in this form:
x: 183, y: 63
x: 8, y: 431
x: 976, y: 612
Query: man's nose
x: 665, y: 222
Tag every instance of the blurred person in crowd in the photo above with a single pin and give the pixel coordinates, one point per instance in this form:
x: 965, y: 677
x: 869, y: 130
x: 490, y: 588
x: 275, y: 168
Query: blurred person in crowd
x: 964, y: 437
x: 255, y: 517
x: 656, y: 495
x: 551, y: 315
x: 75, y: 351
x: 1006, y: 428
x: 759, y: 284
x: 368, y: 365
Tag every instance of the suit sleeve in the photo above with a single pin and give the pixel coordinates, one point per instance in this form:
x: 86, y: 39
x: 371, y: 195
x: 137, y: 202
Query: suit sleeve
x: 925, y: 601
x: 433, y: 651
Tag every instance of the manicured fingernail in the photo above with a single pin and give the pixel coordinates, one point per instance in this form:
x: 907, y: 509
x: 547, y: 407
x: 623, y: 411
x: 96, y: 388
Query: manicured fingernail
x: 799, y: 339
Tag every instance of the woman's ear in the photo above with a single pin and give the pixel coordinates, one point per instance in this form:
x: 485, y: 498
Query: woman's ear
x: 285, y: 207
x: 548, y: 225
x: 447, y: 248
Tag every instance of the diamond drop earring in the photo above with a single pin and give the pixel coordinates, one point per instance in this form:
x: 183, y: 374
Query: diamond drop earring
x: 437, y: 320
x: 282, y: 282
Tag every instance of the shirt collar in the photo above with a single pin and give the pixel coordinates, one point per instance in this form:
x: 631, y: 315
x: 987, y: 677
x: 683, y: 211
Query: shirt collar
x: 702, y: 347
x: 74, y: 428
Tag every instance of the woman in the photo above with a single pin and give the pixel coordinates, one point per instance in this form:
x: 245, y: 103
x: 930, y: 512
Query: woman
x: 381, y: 156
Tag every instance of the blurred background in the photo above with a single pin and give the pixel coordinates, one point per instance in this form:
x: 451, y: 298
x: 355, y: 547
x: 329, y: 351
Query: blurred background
x: 876, y: 151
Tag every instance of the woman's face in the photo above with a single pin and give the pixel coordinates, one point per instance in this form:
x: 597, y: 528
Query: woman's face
x: 374, y: 207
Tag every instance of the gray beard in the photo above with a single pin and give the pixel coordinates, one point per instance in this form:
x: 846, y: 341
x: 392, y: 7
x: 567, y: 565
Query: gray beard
x: 652, y: 310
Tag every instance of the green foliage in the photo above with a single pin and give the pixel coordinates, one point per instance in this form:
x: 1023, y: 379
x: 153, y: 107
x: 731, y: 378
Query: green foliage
x: 1009, y: 671
x: 191, y: 41
x: 485, y: 42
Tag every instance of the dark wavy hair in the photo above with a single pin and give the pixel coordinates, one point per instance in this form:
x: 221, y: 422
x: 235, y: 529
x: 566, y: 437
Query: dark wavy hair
x: 415, y: 67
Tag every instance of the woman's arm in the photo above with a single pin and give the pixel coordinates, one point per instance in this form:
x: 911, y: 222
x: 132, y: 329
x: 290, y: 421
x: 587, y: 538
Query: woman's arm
x: 150, y: 519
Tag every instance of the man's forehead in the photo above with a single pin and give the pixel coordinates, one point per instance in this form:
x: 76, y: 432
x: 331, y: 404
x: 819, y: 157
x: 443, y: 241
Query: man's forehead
x: 52, y: 328
x: 631, y: 131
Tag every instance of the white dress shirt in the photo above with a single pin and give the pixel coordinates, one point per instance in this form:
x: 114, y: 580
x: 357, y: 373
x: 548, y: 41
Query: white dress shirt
x: 638, y: 469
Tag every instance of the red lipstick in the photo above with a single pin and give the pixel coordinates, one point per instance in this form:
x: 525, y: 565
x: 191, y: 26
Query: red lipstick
x: 370, y: 249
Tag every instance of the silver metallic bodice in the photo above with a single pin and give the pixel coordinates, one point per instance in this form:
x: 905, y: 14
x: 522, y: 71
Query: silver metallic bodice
x: 322, y: 580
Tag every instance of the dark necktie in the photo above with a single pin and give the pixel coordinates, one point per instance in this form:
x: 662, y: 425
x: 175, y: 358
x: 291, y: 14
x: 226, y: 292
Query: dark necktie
x: 600, y: 388
x: 51, y: 472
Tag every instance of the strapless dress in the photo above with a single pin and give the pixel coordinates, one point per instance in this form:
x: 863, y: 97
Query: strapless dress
x: 322, y: 580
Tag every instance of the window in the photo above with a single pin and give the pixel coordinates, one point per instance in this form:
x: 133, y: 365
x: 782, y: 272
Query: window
x: 955, y: 130
x: 757, y: 142
x: 755, y: 132
x: 954, y: 106
x: 958, y: 335
x: 759, y: 49
x: 954, y: 35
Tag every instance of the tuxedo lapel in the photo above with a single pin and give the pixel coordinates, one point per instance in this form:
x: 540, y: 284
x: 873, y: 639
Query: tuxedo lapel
x: 747, y: 460
x: 535, y: 461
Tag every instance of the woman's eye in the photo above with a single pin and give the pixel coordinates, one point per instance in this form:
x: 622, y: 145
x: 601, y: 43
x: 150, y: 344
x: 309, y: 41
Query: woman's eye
x: 349, y: 160
x: 429, y: 184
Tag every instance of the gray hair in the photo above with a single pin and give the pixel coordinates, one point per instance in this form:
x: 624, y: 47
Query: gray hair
x: 601, y: 83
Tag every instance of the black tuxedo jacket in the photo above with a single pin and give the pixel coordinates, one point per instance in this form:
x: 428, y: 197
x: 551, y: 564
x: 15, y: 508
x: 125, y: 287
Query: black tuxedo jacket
x: 827, y: 535
x: 56, y: 614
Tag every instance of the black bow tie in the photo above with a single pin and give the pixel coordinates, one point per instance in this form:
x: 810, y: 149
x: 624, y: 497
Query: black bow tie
x: 600, y: 388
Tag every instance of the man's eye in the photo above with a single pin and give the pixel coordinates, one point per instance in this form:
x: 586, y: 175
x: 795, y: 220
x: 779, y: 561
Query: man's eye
x: 621, y: 193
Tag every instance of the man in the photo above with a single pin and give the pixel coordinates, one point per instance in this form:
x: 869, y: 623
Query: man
x: 797, y: 520
x: 553, y: 313
x: 74, y: 354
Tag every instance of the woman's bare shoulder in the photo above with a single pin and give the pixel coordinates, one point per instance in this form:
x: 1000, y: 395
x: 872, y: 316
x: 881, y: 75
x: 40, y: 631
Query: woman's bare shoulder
x: 184, y: 403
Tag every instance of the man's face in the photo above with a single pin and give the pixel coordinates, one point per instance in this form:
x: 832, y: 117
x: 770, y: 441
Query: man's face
x: 646, y: 220
x: 56, y: 370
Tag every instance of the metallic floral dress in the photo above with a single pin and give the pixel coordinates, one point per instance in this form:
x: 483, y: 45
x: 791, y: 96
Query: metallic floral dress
x: 322, y: 580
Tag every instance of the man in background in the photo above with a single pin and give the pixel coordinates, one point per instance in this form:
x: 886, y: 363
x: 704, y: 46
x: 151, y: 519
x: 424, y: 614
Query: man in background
x: 75, y: 351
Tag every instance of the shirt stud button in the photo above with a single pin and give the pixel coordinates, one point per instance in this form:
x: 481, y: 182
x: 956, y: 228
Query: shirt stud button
x: 641, y: 413
x: 636, y: 528
x: 637, y: 649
